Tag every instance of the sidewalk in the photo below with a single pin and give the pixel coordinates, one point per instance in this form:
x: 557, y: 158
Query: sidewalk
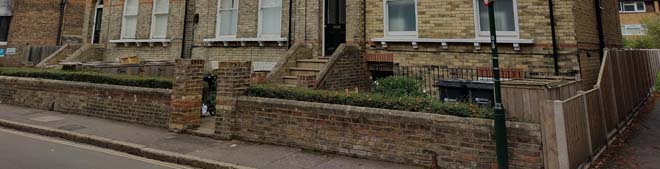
x: 237, y: 152
x: 639, y: 147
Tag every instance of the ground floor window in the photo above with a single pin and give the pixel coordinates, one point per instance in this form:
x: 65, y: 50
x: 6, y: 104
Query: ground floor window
x: 633, y: 29
x: 506, y: 22
x: 271, y: 18
x: 401, y: 17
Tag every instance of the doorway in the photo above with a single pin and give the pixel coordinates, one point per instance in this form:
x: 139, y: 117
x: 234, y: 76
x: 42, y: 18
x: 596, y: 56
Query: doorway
x: 334, y: 26
x: 98, y: 17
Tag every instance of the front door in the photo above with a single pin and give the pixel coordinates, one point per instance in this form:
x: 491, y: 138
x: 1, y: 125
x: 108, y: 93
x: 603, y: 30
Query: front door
x: 335, y: 25
x: 98, y: 16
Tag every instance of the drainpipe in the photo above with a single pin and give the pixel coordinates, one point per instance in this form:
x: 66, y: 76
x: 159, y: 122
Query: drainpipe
x: 185, y: 24
x: 60, y: 25
x: 555, y: 53
x: 364, y: 25
x: 290, y: 24
x: 601, y: 34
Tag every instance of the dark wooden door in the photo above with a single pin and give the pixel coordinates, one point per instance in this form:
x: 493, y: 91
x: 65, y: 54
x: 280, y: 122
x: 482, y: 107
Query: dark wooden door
x: 335, y: 25
x: 96, y: 34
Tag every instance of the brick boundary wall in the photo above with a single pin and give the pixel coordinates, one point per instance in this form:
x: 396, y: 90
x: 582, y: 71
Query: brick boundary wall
x: 129, y: 104
x: 187, y: 94
x: 396, y: 136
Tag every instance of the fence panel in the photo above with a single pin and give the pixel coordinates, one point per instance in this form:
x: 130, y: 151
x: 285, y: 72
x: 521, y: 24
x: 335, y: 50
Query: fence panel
x: 576, y: 129
x: 596, y: 121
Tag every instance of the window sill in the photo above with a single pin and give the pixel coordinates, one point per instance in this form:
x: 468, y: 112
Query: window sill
x: 445, y: 42
x: 632, y: 12
x: 3, y: 43
x: 139, y: 42
x: 244, y: 41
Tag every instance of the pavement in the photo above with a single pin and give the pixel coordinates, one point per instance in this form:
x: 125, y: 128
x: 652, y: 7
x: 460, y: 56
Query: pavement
x: 244, y: 154
x: 638, y: 146
x: 23, y: 150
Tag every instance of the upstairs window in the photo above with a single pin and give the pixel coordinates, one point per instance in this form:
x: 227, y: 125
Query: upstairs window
x: 400, y: 17
x: 633, y: 6
x: 227, y: 18
x: 506, y: 18
x: 633, y: 29
x: 270, y: 18
x: 5, y: 19
x: 129, y: 19
x: 159, y: 19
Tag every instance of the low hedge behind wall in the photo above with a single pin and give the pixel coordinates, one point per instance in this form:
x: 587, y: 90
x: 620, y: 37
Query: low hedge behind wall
x: 91, y: 77
x: 415, y: 104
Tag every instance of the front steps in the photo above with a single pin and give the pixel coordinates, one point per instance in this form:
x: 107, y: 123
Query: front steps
x: 304, y: 67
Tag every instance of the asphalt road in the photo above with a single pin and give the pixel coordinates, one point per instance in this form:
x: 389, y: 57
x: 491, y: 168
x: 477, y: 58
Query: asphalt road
x: 20, y: 150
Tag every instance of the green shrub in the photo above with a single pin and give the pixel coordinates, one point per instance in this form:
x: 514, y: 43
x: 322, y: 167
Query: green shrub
x: 399, y: 87
x: 91, y: 77
x: 375, y: 100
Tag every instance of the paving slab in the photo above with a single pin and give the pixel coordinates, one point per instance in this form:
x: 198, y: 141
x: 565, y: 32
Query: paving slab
x: 236, y: 152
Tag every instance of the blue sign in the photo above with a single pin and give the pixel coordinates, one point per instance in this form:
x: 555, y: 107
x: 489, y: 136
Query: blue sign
x: 2, y: 53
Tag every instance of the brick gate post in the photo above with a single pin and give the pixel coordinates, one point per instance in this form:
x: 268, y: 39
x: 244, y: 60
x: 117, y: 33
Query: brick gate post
x: 187, y: 94
x: 234, y: 78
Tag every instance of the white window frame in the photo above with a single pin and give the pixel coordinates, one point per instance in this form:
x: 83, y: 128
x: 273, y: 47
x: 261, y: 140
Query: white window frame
x: 219, y: 20
x: 641, y: 27
x: 633, y: 3
x: 260, y: 22
x: 123, y: 20
x: 154, y: 12
x: 388, y: 33
x: 500, y: 34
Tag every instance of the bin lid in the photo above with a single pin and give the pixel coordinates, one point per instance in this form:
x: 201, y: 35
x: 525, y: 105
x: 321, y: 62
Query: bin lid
x: 452, y: 83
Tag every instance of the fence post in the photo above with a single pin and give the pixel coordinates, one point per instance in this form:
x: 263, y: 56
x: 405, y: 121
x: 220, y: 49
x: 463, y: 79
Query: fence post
x: 586, y: 115
x: 560, y: 131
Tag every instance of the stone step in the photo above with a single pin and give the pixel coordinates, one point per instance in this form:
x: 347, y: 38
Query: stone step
x: 296, y: 71
x: 311, y: 63
x: 290, y: 80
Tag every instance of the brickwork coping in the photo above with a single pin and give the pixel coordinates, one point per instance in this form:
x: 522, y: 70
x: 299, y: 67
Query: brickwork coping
x: 187, y: 94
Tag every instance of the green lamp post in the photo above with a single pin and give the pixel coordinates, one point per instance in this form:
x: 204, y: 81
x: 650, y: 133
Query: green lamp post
x: 500, y: 117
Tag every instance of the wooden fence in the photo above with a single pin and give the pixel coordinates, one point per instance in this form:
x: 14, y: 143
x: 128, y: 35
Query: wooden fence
x: 577, y: 129
x: 534, y: 92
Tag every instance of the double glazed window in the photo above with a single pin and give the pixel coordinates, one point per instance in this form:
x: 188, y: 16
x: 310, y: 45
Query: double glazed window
x: 270, y: 18
x: 5, y: 19
x: 634, y: 6
x: 159, y: 19
x: 129, y: 19
x: 227, y: 18
x: 505, y: 18
x: 633, y: 29
x: 401, y: 17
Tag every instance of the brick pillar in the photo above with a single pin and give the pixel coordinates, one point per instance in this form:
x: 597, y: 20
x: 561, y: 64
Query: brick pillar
x: 187, y: 94
x: 233, y: 80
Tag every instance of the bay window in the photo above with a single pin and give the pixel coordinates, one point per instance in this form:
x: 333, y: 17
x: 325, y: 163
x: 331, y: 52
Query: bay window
x: 159, y: 19
x: 506, y: 19
x: 129, y: 19
x: 270, y: 18
x: 400, y: 17
x: 227, y: 18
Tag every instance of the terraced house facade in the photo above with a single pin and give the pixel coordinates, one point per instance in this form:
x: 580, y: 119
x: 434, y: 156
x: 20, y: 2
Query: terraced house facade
x: 534, y: 36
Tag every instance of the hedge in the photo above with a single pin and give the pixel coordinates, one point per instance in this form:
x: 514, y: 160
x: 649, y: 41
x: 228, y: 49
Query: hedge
x: 415, y: 104
x: 91, y: 77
